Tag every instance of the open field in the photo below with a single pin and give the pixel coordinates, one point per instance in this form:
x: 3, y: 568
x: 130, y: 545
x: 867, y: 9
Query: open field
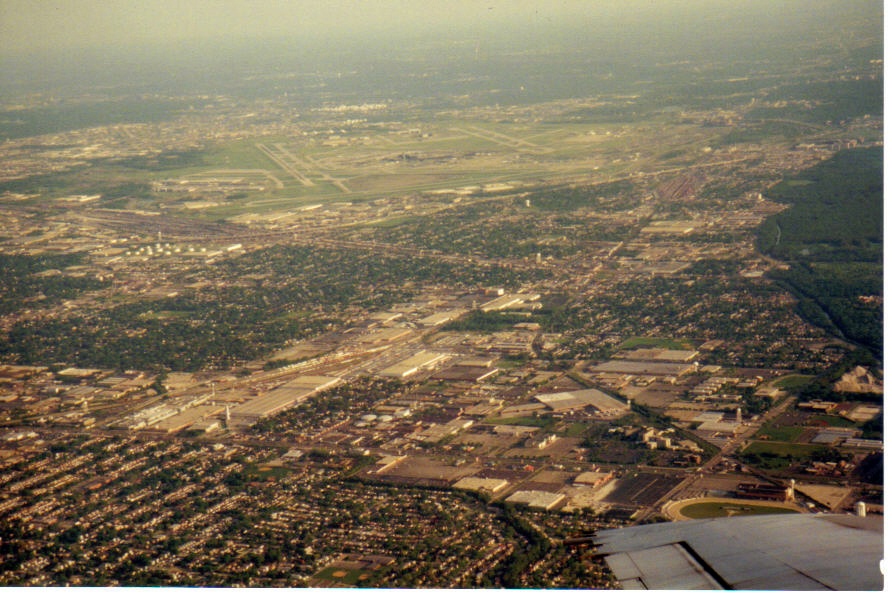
x: 343, y: 576
x: 654, y: 342
x: 448, y: 155
x: 789, y: 434
x: 789, y: 382
x: 722, y: 507
x: 781, y: 450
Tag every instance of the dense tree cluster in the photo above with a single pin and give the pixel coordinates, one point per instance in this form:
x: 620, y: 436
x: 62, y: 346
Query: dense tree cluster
x: 556, y: 223
x: 41, y: 281
x: 256, y: 303
x: 752, y: 314
x: 832, y: 236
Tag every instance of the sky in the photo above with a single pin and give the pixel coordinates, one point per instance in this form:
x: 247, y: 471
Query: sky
x: 40, y: 25
x: 44, y: 24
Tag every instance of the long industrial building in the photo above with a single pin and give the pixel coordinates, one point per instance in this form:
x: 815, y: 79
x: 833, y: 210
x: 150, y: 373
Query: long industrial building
x: 510, y: 301
x: 538, y: 499
x: 643, y: 368
x: 283, y: 397
x: 414, y: 364
x: 562, y: 401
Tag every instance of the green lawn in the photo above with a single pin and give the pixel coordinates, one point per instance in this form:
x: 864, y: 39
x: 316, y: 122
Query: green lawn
x: 522, y: 421
x: 831, y: 421
x: 722, y: 510
x: 242, y: 154
x: 793, y: 381
x: 637, y: 342
x: 775, y: 455
x: 261, y: 472
x: 349, y: 577
x: 782, y: 433
x: 783, y: 450
x: 576, y: 430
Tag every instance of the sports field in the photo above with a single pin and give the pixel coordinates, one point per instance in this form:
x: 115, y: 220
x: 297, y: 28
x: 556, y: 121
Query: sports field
x: 718, y: 507
x: 348, y: 577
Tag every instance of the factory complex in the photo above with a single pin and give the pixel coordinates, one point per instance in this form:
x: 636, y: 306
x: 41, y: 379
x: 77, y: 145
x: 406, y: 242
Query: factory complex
x: 283, y: 397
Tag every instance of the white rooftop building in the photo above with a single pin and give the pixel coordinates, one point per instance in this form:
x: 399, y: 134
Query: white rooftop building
x: 283, y: 397
x: 606, y: 404
x: 538, y: 499
x: 473, y: 483
x: 414, y: 364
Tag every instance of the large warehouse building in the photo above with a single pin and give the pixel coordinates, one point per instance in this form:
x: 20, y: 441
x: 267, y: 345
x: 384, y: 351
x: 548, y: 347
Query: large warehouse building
x: 643, y: 368
x: 417, y: 362
x: 285, y: 396
x: 563, y: 401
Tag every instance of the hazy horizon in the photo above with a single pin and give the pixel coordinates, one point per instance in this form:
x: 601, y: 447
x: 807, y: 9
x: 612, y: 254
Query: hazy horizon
x: 64, y: 25
x: 55, y: 45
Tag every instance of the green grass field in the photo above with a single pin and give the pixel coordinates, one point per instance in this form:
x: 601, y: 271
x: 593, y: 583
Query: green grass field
x: 782, y: 433
x: 789, y: 382
x: 348, y: 577
x: 454, y: 153
x: 831, y: 421
x: 576, y: 430
x: 262, y: 473
x: 522, y: 421
x: 782, y: 450
x: 715, y: 509
x: 639, y: 342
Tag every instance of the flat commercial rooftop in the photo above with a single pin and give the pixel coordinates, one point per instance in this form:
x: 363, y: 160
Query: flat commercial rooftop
x: 442, y: 317
x: 671, y: 227
x: 581, y: 398
x: 774, y: 552
x: 473, y: 483
x: 188, y: 417
x: 466, y: 373
x: 385, y: 335
x: 509, y: 301
x: 281, y: 398
x: 666, y: 355
x: 643, y: 367
x: 538, y: 499
x: 413, y: 364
